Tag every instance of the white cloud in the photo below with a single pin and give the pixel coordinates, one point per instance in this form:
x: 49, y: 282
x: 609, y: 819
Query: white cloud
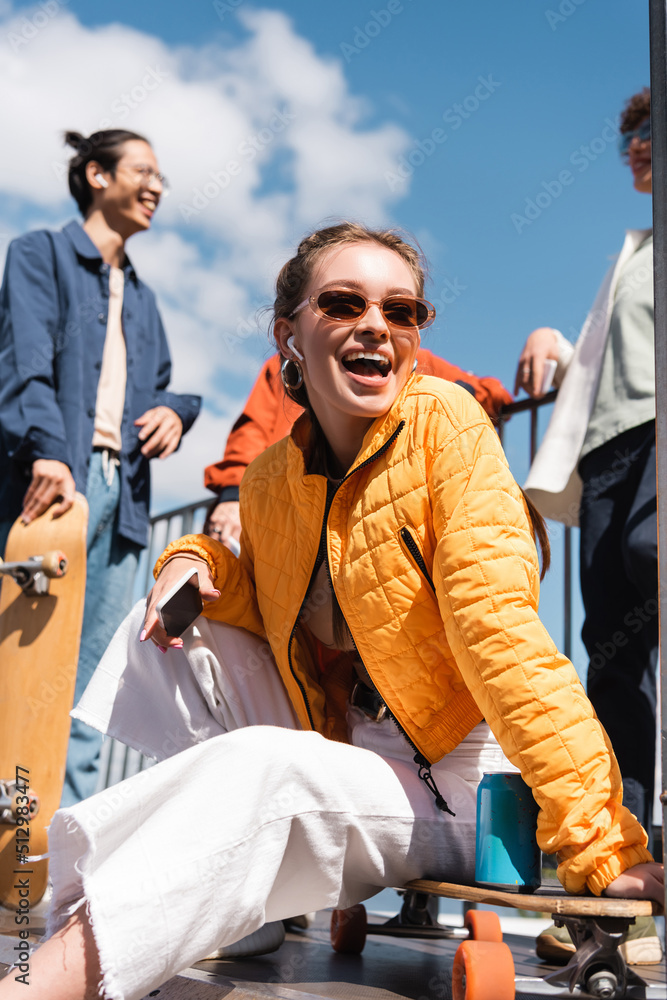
x: 261, y: 140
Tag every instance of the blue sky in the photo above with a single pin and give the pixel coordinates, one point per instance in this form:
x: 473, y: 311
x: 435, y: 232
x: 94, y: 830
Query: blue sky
x: 444, y: 118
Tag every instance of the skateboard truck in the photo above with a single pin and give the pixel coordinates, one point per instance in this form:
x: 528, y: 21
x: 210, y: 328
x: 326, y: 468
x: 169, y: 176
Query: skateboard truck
x: 597, y: 967
x: 9, y: 802
x: 419, y: 910
x: 33, y: 574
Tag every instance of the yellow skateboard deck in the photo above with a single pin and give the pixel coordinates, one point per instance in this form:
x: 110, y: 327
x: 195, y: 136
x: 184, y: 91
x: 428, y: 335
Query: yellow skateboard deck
x: 41, y: 610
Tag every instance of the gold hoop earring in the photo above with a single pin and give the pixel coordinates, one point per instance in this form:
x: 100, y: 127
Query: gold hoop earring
x: 289, y: 380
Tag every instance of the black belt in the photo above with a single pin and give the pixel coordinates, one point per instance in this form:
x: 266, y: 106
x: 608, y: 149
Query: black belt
x: 369, y: 701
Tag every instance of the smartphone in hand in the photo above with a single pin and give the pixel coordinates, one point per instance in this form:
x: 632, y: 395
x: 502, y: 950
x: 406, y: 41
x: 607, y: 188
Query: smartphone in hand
x: 179, y: 608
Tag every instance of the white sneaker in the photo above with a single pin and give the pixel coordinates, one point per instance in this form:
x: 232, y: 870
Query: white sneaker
x: 261, y: 942
x: 302, y: 922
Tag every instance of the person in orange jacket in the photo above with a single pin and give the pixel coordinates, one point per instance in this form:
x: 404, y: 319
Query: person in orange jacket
x: 268, y: 416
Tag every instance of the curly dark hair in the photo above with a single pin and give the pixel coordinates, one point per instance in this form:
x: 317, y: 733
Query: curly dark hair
x: 636, y: 109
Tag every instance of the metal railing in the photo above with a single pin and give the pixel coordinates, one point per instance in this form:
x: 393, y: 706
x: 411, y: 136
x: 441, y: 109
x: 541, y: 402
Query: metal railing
x: 533, y: 406
x: 119, y: 761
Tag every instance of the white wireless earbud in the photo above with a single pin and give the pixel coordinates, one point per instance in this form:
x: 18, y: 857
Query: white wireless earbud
x: 290, y: 344
x: 101, y: 181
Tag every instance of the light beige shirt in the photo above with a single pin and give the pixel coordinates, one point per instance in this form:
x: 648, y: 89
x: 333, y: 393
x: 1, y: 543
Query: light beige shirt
x: 626, y: 391
x: 113, y: 375
x: 553, y: 483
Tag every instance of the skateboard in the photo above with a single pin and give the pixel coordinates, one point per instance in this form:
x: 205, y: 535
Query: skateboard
x: 41, y: 609
x: 483, y: 966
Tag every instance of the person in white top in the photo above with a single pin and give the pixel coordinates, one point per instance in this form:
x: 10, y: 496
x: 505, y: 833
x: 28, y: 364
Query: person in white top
x: 596, y: 468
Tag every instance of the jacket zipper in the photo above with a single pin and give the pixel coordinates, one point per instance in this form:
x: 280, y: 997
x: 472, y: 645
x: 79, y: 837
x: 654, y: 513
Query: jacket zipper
x: 419, y: 759
x: 321, y: 551
x: 415, y: 552
x: 424, y: 767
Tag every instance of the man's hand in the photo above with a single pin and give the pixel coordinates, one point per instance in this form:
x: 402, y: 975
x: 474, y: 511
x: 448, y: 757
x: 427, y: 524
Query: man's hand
x: 161, y: 431
x: 646, y: 881
x: 542, y: 345
x: 171, y: 573
x: 223, y: 522
x: 51, y: 480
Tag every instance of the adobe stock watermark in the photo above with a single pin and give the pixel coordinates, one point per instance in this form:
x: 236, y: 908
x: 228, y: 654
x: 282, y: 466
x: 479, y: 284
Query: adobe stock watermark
x: 363, y: 35
x: 454, y: 117
x: 635, y: 620
x: 30, y: 27
x: 566, y: 8
x: 246, y: 152
x: 224, y: 7
x: 122, y: 107
x: 450, y: 291
x: 41, y: 357
x: 551, y: 190
x: 245, y: 328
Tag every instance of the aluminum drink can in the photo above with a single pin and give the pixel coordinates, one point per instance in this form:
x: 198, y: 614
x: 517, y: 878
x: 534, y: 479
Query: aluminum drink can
x: 506, y: 853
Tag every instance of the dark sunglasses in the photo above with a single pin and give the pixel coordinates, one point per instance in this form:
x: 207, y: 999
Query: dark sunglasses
x: 643, y: 133
x: 344, y: 306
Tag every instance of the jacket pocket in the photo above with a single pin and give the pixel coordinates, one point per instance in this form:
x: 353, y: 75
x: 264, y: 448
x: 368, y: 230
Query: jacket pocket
x: 410, y: 544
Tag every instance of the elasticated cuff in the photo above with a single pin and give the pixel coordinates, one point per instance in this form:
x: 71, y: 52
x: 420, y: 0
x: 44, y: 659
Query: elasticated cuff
x: 200, y: 546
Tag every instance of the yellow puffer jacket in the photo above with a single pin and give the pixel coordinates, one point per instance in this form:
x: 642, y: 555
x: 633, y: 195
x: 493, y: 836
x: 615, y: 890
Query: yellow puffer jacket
x: 434, y: 567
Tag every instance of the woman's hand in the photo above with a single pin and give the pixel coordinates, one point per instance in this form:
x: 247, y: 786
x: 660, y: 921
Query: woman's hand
x: 170, y: 574
x: 646, y: 881
x: 541, y: 346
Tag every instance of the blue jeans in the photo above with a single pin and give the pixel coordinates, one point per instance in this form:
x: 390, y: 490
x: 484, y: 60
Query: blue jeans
x: 110, y: 571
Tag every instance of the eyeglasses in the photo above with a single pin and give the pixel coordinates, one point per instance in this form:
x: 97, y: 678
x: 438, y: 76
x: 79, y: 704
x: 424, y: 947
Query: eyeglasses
x: 344, y: 306
x: 145, y: 174
x: 642, y: 132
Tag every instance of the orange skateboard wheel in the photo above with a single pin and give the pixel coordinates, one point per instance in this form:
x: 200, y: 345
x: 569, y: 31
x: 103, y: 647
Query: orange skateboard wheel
x: 483, y: 970
x: 348, y: 930
x: 483, y: 925
x: 54, y: 564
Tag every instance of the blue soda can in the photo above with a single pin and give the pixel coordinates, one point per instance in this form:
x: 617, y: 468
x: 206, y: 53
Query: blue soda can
x: 506, y: 853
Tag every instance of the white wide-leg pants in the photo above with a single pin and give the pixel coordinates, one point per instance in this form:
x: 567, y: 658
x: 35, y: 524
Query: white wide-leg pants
x: 247, y: 818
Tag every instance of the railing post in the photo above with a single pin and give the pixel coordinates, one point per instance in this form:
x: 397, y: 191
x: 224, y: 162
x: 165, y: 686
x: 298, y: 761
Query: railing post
x: 567, y: 592
x: 533, y: 433
x: 658, y: 51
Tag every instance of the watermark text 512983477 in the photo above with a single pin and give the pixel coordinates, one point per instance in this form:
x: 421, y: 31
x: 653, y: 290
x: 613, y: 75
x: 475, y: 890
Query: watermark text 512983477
x: 21, y: 809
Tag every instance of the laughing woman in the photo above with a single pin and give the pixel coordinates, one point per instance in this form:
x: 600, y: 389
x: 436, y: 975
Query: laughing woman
x: 338, y: 703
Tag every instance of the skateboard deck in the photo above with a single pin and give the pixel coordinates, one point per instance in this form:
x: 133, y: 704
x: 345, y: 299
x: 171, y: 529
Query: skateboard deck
x: 544, y: 900
x: 483, y: 966
x: 41, y: 609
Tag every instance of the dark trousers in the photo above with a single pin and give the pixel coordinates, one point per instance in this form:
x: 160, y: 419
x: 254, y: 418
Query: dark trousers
x: 619, y: 586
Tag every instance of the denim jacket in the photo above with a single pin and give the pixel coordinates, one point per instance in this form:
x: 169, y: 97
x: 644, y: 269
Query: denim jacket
x: 53, y: 319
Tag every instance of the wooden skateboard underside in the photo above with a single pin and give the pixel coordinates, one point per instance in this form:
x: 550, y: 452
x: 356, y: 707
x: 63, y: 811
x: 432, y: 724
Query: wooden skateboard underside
x: 39, y: 650
x: 541, y: 901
